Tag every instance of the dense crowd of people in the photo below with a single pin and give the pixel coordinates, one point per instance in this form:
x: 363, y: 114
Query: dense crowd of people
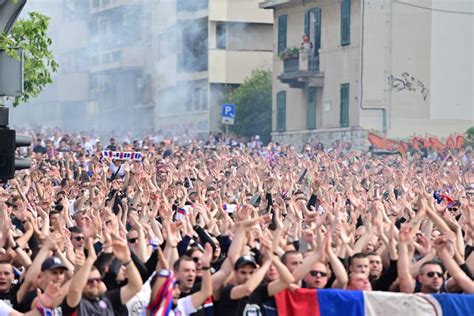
x: 219, y: 227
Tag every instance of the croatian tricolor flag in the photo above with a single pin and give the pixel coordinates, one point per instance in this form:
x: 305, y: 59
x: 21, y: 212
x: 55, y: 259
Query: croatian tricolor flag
x: 332, y: 302
x: 182, y: 212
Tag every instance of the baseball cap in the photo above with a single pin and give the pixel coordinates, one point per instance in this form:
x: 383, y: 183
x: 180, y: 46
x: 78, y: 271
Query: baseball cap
x: 245, y: 260
x: 51, y: 263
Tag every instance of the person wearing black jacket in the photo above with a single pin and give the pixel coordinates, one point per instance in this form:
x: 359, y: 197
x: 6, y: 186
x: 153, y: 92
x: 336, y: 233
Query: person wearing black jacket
x: 379, y: 278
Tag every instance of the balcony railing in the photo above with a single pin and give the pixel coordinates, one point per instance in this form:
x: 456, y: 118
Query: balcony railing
x: 301, y: 71
x: 191, y: 5
x: 291, y: 64
x: 313, y: 63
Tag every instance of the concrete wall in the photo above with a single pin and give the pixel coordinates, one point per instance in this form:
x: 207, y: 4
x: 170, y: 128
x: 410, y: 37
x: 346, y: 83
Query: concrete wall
x: 357, y: 136
x: 452, y: 66
x: 426, y: 49
x: 238, y: 11
x: 233, y: 67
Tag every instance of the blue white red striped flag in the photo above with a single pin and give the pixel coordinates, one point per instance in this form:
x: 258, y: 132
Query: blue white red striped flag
x: 332, y: 302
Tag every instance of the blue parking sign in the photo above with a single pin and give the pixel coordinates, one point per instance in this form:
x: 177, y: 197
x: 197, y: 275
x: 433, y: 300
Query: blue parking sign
x: 228, y: 110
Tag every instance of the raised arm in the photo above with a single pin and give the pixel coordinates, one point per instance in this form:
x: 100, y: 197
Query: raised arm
x: 337, y: 268
x: 79, y: 280
x: 134, y: 280
x: 407, y: 284
x: 285, y: 279
x: 462, y: 280
x: 200, y: 297
x: 248, y: 287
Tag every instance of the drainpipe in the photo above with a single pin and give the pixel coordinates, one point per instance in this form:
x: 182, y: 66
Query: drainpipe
x: 388, y: 61
x: 361, y: 77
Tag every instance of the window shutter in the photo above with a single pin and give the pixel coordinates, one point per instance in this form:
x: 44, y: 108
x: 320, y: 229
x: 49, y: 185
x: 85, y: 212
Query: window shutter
x: 317, y: 29
x: 344, y: 119
x: 311, y: 109
x: 345, y: 22
x: 282, y: 25
x: 281, y: 111
x: 306, y: 22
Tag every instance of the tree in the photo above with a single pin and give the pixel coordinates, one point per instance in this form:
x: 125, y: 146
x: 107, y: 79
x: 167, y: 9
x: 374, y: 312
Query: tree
x: 253, y: 106
x: 39, y: 63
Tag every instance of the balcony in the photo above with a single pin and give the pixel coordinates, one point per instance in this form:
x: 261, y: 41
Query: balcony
x: 239, y: 11
x: 272, y: 4
x: 126, y: 57
x: 191, y: 6
x: 192, y: 10
x: 97, y: 6
x: 301, y: 71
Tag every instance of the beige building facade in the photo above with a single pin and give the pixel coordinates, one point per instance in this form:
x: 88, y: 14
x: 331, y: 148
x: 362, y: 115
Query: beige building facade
x: 205, y: 48
x: 371, y: 65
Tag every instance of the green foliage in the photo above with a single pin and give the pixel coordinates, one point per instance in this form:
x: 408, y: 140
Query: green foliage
x: 291, y: 52
x: 253, y: 106
x: 39, y: 63
x: 470, y: 133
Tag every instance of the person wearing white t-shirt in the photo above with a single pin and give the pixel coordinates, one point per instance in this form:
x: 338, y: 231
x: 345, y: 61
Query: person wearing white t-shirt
x: 188, y: 304
x: 44, y: 301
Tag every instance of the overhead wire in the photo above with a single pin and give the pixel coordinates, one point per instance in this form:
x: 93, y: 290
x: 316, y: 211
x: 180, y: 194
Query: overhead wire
x: 433, y: 9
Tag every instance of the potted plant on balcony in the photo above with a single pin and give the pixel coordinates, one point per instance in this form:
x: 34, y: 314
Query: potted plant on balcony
x: 291, y: 52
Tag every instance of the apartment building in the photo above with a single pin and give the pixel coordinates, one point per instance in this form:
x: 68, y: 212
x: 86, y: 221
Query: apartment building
x: 205, y: 49
x: 104, y: 81
x: 371, y: 65
x: 120, y: 65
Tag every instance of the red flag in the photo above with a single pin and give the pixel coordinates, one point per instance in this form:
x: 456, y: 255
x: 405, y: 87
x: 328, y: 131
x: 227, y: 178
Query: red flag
x: 450, y: 141
x: 436, y: 143
x: 460, y: 141
x: 302, y: 302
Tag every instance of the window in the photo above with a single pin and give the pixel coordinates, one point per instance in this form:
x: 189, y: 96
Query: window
x: 344, y: 119
x: 197, y: 99
x: 281, y: 112
x: 95, y: 60
x: 204, y: 93
x: 312, y: 28
x: 221, y: 39
x: 282, y: 25
x: 116, y: 56
x: 345, y: 22
x: 311, y: 108
x: 193, y: 56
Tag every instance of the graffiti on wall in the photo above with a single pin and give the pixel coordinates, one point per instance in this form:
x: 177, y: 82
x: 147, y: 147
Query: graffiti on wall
x: 409, y: 83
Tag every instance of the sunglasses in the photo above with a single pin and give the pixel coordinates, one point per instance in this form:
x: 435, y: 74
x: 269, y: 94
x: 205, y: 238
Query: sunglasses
x: 315, y: 273
x: 78, y: 238
x: 93, y: 281
x: 133, y: 240
x: 431, y: 274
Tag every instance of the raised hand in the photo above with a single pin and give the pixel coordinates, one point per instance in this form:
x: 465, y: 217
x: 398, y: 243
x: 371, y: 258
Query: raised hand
x: 51, y: 296
x: 121, y: 250
x: 206, y: 258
